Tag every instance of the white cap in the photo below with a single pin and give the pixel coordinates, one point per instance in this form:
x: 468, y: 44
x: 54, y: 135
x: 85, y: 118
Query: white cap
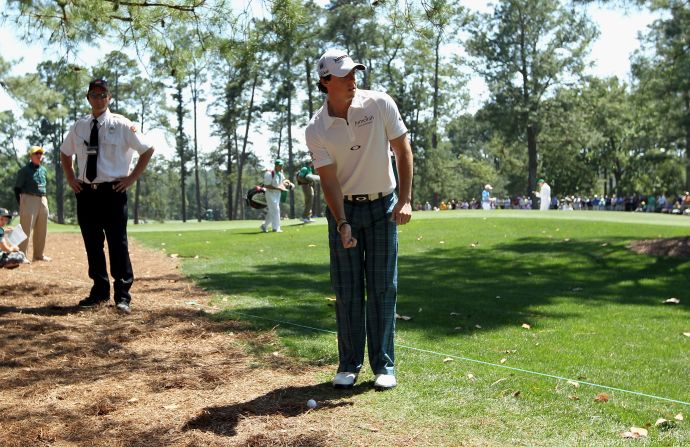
x: 488, y: 187
x: 337, y: 63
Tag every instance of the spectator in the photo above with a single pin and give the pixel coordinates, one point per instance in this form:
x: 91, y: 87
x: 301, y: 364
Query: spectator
x: 10, y: 255
x: 30, y: 190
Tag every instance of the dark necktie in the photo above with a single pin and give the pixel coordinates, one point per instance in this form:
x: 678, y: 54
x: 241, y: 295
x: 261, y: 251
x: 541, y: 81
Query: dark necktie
x: 92, y: 153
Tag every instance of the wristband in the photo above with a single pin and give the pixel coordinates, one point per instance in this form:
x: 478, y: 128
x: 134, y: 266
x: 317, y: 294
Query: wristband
x: 340, y: 224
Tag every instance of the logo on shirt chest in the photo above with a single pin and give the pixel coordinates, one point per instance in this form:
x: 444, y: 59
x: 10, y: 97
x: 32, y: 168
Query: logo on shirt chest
x: 364, y: 121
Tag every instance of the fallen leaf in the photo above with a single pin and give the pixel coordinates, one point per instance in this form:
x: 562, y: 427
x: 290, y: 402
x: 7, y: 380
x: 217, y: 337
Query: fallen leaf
x: 453, y: 314
x: 311, y: 245
x: 196, y: 256
x: 420, y: 238
x: 687, y: 334
x: 529, y: 273
x: 473, y: 245
x: 516, y: 393
x: 573, y: 398
x: 679, y: 417
x: 577, y: 289
x: 566, y: 240
x: 447, y: 359
x: 442, y: 242
x: 510, y: 351
x: 134, y: 399
x: 574, y: 384
x: 503, y: 360
x: 174, y: 255
x: 526, y: 326
x: 498, y: 297
x: 672, y: 301
x: 333, y: 299
x: 602, y: 397
x: 420, y: 309
x: 171, y: 407
x: 477, y: 326
x: 402, y: 317
x: 499, y: 381
x: 604, y: 244
x: 471, y: 376
x: 458, y: 328
x: 663, y: 423
x: 640, y: 432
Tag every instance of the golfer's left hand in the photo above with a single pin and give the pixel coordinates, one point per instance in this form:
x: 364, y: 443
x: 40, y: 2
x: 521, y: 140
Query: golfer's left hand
x: 402, y: 213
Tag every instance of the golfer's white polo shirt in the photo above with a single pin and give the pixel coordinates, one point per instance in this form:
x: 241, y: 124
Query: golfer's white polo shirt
x: 359, y: 145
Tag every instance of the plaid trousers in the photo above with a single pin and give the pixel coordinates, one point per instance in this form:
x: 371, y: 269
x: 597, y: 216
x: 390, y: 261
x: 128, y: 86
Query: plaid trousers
x: 372, y: 266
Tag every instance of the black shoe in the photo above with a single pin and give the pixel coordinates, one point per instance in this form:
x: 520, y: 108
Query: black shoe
x: 92, y: 302
x: 123, y: 308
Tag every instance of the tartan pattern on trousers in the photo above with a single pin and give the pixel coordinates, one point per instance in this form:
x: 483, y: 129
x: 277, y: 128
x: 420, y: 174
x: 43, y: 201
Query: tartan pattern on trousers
x: 372, y: 266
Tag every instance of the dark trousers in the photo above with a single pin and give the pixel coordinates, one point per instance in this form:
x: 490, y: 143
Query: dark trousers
x: 102, y: 215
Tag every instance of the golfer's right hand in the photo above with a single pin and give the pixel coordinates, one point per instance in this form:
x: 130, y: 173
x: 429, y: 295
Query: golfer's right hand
x: 346, y: 236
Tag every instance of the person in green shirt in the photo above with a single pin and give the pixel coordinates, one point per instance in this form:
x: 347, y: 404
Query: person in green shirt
x: 30, y: 191
x: 308, y: 178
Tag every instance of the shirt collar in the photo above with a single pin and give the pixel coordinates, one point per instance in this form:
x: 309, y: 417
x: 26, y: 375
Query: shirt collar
x: 103, y: 117
x: 328, y: 120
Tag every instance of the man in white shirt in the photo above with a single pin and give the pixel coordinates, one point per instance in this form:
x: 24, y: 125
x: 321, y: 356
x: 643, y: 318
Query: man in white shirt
x: 274, y: 183
x: 104, y: 144
x: 349, y: 140
x: 544, y: 195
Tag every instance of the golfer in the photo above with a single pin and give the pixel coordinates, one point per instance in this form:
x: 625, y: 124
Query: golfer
x: 349, y: 139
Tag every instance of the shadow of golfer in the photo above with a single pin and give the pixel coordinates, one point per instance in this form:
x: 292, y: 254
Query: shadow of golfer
x: 288, y: 402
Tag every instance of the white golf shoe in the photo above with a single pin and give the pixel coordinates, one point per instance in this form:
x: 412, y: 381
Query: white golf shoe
x: 344, y: 380
x: 384, y: 382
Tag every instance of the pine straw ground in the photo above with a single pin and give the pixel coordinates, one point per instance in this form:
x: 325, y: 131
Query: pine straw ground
x: 166, y: 375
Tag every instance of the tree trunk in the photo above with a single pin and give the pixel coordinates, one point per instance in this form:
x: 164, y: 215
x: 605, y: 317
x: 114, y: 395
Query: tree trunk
x: 686, y: 97
x: 195, y: 98
x: 137, y: 188
x: 59, y: 182
x: 291, y: 164
x: 310, y: 89
x: 532, y: 162
x: 434, y: 129
x: 241, y: 157
x: 180, y: 150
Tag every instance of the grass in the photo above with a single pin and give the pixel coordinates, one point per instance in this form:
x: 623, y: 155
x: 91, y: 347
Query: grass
x: 470, y: 281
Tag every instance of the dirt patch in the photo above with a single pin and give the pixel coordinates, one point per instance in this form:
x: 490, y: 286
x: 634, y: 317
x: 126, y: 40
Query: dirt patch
x: 166, y: 375
x: 675, y: 247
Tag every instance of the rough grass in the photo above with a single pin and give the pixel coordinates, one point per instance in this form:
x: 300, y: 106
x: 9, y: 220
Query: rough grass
x: 470, y: 281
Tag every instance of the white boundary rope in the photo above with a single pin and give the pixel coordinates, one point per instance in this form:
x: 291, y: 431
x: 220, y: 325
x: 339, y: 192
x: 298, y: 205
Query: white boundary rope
x: 481, y: 362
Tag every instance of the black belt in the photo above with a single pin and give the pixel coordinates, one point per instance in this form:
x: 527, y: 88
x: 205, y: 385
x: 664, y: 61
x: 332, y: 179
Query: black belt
x: 364, y: 197
x: 97, y: 185
x: 33, y: 194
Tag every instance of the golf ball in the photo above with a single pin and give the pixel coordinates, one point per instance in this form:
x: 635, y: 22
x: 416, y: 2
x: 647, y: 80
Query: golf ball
x: 311, y: 403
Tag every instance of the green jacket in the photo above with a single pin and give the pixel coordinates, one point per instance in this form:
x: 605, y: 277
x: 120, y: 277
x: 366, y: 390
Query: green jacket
x: 31, y: 179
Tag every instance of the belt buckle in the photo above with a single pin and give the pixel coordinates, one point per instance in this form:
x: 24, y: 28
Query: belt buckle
x: 93, y: 185
x: 362, y: 198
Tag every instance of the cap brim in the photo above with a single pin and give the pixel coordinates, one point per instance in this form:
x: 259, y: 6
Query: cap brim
x: 346, y: 68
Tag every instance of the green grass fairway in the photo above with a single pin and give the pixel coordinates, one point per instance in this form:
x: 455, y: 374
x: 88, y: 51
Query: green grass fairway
x: 469, y: 281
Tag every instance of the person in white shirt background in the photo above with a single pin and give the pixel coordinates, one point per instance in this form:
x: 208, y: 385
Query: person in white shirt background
x: 544, y: 195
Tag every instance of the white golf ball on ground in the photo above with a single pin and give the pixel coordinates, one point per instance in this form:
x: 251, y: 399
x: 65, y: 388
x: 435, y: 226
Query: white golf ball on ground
x: 311, y: 403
